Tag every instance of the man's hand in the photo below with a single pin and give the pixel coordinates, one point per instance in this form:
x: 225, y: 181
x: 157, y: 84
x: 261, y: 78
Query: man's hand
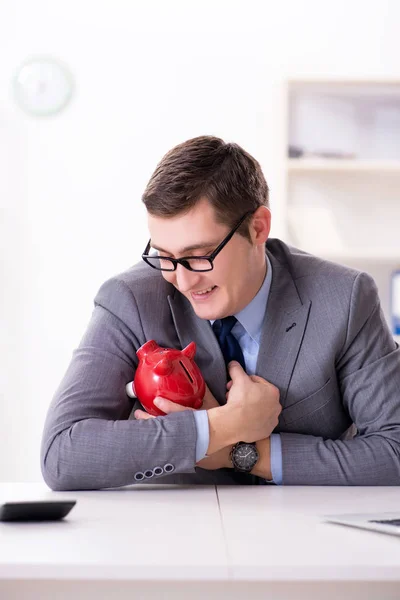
x: 256, y: 402
x: 168, y: 406
x: 250, y: 414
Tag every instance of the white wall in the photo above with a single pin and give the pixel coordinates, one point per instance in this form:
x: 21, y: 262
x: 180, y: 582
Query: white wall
x: 149, y: 74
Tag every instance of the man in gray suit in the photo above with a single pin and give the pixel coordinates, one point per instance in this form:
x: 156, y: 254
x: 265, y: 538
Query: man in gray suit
x: 318, y: 402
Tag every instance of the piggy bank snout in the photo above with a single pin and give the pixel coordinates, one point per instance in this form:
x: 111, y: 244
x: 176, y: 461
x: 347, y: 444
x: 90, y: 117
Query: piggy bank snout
x: 164, y: 367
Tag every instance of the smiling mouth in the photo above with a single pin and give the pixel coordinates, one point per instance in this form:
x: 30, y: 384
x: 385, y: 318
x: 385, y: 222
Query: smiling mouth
x: 203, y: 293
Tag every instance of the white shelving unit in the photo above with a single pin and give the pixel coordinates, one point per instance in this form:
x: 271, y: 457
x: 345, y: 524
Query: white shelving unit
x: 342, y: 174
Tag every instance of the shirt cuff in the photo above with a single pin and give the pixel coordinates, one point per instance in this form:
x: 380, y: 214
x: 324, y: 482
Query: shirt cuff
x: 203, y: 433
x: 276, y: 458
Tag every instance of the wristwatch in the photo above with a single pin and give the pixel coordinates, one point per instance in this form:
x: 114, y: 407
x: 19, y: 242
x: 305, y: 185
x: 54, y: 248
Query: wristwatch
x: 244, y: 456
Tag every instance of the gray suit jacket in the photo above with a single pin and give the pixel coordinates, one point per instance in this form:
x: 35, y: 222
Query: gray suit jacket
x: 325, y: 344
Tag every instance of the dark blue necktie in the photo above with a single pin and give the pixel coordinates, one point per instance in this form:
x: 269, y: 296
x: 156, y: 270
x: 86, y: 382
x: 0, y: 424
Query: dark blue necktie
x: 231, y: 350
x: 230, y: 347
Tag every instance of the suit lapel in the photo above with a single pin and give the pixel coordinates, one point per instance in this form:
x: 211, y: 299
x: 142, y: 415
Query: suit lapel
x: 283, y: 329
x: 209, y: 359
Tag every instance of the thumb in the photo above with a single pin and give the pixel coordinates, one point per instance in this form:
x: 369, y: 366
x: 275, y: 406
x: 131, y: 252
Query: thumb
x: 235, y: 370
x: 168, y: 406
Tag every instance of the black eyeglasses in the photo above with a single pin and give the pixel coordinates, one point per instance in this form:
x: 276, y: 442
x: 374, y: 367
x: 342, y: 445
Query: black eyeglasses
x: 193, y: 263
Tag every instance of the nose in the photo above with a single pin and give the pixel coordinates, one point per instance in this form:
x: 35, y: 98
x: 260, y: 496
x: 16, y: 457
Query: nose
x: 186, y: 280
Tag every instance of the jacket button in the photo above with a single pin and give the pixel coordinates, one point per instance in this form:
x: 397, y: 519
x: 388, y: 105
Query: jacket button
x: 139, y: 476
x: 168, y: 468
x: 149, y: 473
x: 158, y: 470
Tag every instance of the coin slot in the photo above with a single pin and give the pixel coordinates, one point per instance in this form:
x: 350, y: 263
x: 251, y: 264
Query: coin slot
x: 186, y: 371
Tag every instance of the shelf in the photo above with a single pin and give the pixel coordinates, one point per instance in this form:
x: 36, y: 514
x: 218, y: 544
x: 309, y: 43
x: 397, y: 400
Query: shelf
x: 342, y: 177
x: 325, y: 164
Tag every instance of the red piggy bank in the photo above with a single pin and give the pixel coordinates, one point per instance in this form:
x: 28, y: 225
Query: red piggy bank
x: 166, y: 372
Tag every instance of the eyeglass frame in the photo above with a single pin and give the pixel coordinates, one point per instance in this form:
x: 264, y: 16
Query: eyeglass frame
x: 184, y: 260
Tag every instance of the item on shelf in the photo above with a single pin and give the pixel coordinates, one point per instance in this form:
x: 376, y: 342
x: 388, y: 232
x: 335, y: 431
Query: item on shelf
x: 169, y: 373
x: 333, y: 154
x: 297, y: 152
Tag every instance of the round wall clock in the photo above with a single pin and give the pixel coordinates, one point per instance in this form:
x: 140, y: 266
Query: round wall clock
x: 43, y: 86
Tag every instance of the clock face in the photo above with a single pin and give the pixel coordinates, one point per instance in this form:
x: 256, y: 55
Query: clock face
x: 246, y: 457
x: 43, y: 86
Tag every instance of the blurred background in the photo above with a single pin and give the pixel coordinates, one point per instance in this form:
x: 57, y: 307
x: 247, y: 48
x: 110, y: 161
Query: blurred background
x: 92, y: 94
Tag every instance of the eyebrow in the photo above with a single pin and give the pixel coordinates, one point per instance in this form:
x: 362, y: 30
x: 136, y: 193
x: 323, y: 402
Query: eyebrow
x: 183, y: 251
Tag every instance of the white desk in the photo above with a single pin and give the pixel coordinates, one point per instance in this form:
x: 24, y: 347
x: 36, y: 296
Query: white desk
x: 277, y: 536
x: 190, y: 542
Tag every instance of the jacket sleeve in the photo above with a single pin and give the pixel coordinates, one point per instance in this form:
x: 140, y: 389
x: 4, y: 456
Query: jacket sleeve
x: 368, y: 371
x: 89, y: 441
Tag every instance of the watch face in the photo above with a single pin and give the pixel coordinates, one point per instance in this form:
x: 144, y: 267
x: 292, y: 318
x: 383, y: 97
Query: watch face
x: 244, y: 457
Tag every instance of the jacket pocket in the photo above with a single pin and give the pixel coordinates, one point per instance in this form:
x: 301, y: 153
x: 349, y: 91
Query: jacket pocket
x: 307, y: 406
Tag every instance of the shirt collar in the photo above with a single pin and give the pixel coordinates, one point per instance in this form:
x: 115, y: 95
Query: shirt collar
x: 252, y: 315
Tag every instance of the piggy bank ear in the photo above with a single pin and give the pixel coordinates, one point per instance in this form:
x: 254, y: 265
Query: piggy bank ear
x: 163, y: 367
x: 190, y: 350
x: 148, y: 347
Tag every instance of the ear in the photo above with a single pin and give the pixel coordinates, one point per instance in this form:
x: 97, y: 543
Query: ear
x: 260, y: 225
x: 190, y: 350
x: 144, y: 350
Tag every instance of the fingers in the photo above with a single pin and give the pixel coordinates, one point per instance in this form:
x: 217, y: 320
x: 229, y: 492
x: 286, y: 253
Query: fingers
x: 163, y: 404
x: 258, y: 379
x: 142, y: 415
x: 167, y: 406
x: 235, y: 370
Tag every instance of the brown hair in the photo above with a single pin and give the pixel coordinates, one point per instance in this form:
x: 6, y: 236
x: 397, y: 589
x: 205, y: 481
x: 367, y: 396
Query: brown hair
x: 207, y: 167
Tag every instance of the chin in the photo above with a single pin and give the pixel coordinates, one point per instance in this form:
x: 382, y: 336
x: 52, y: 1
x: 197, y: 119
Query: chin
x: 211, y: 310
x: 204, y: 313
x: 211, y: 314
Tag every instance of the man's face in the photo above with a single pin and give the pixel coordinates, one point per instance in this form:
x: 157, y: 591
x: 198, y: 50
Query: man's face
x: 239, y: 268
